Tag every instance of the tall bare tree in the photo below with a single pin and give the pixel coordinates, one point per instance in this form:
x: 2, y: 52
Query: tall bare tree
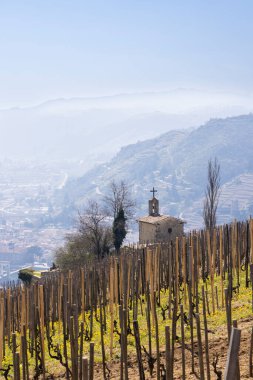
x: 95, y: 236
x: 93, y: 239
x: 212, y: 194
x: 93, y: 227
x: 118, y: 198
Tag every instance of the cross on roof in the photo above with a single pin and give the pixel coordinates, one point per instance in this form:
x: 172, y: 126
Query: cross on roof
x: 153, y: 191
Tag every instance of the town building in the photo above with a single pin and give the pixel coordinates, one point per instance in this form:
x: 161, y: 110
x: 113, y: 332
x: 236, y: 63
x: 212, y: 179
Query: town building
x: 155, y: 228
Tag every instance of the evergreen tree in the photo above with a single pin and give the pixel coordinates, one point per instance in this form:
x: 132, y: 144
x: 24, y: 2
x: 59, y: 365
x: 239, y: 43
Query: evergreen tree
x: 119, y: 229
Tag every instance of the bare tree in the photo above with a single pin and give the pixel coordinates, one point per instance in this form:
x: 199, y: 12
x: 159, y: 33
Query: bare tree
x: 93, y: 227
x: 119, y: 198
x: 94, y: 238
x: 212, y: 194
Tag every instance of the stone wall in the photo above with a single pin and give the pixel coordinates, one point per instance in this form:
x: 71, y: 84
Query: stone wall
x: 160, y: 232
x: 147, y: 233
x: 168, y: 230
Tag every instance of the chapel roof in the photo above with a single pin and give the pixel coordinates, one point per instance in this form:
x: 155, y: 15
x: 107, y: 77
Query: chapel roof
x: 157, y: 219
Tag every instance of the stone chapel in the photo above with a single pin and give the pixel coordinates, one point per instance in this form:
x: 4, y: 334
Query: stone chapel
x: 155, y: 228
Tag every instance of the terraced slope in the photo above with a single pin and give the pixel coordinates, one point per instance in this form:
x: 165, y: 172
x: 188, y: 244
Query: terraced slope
x: 176, y: 164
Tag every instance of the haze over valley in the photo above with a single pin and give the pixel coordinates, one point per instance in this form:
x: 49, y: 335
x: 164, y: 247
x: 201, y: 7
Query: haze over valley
x: 39, y: 201
x: 94, y: 129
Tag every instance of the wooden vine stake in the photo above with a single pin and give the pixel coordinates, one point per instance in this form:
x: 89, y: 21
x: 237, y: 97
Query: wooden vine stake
x: 233, y: 355
x: 167, y: 352
x: 184, y: 269
x: 221, y: 267
x: 157, y: 343
x: 183, y: 341
x: 91, y: 371
x: 200, y: 352
x: 42, y: 327
x: 1, y: 328
x: 251, y: 354
x: 206, y: 334
x: 138, y: 350
x: 84, y: 369
x: 176, y: 274
x: 111, y: 304
x: 210, y: 261
x: 251, y: 239
x: 83, y: 294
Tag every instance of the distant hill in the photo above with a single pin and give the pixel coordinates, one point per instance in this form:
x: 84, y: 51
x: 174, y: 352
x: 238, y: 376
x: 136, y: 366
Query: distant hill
x: 94, y: 129
x: 176, y: 164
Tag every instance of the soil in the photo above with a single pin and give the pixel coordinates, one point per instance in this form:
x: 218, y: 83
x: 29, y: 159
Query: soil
x: 218, y: 347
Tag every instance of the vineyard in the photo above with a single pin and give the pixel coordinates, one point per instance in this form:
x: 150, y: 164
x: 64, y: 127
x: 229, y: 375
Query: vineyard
x: 182, y: 310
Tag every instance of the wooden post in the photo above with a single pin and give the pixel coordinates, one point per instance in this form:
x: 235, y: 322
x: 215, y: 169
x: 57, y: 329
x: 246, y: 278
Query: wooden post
x: 138, y: 350
x: 14, y: 348
x: 206, y: 334
x: 191, y: 324
x: 183, y: 342
x: 81, y: 351
x: 148, y: 321
x: 124, y: 315
x: 247, y: 255
x: 228, y: 312
x: 233, y: 355
x: 211, y: 268
x: 251, y: 280
x: 176, y: 275
x: 221, y: 267
x: 85, y: 369
x: 200, y: 352
x: 74, y: 354
x: 25, y: 355
x: 1, y: 329
x: 191, y: 267
x: 102, y: 338
x: 217, y: 297
x: 167, y: 352
x: 42, y: 326
x: 157, y: 343
x: 184, y: 269
x: 251, y: 240
x: 91, y: 372
x: 17, y: 367
x: 111, y: 305
x: 174, y: 333
x: 235, y: 324
x: 214, y: 249
x: 251, y: 354
x: 83, y: 294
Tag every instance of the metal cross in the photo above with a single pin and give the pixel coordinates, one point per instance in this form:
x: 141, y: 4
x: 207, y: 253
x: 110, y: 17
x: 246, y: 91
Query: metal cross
x: 153, y: 191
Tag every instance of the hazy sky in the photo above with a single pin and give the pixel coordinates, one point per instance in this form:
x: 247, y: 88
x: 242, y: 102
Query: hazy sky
x: 60, y: 48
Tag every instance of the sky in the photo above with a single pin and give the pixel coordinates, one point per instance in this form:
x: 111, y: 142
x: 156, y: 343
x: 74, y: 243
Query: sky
x: 62, y: 49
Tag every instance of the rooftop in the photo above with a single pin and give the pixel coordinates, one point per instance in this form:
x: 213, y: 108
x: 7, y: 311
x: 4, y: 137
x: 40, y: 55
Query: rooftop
x: 156, y: 219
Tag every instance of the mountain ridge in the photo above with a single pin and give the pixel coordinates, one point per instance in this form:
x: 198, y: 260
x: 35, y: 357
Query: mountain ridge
x: 176, y: 164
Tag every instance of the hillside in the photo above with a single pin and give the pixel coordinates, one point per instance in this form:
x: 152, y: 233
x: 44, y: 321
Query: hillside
x: 176, y: 164
x: 122, y: 309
